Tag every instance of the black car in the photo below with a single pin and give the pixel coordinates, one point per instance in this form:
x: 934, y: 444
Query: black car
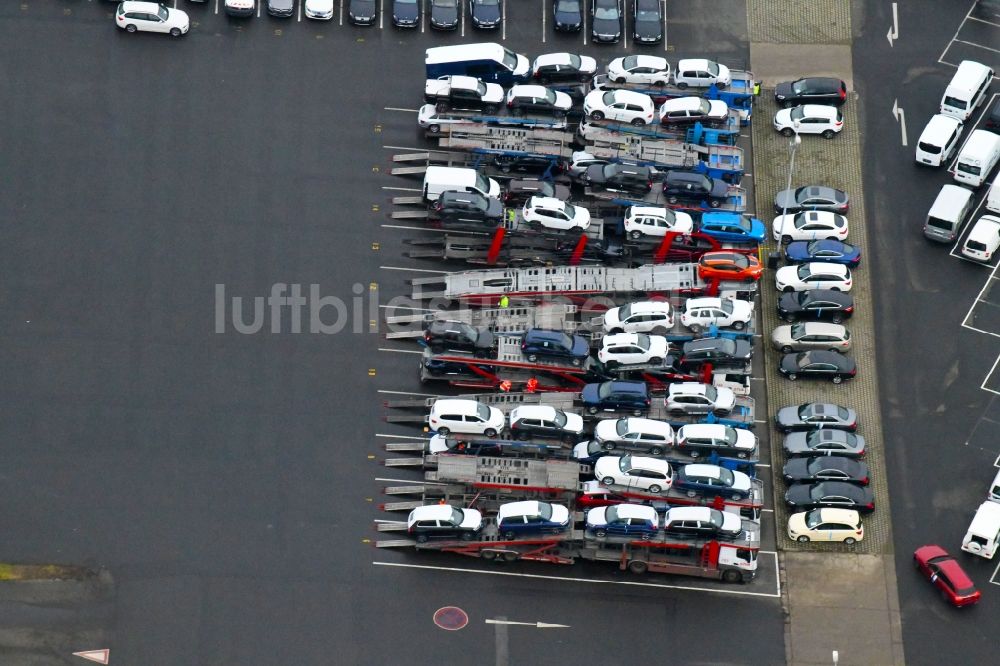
x: 443, y: 335
x: 832, y: 494
x: 811, y: 197
x: 812, y: 90
x: 406, y: 13
x: 362, y: 12
x: 811, y: 415
x: 620, y: 178
x: 531, y: 421
x: 816, y: 304
x: 720, y: 352
x: 470, y: 208
x: 519, y: 191
x: 567, y: 15
x: 647, y: 18
x: 485, y: 14
x: 544, y: 165
x: 697, y: 188
x: 993, y: 118
x: 281, y: 8
x: 818, y: 364
x: 606, y: 21
x: 444, y: 14
x: 616, y: 396
x: 436, y: 367
x: 562, y: 68
x: 825, y: 468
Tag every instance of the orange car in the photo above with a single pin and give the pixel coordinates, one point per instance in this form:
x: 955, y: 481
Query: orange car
x: 729, y: 265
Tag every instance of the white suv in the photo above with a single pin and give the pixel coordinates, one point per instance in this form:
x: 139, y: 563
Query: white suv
x: 695, y: 398
x: 466, y: 417
x: 638, y: 434
x: 810, y: 119
x: 701, y: 73
x: 151, y: 17
x: 643, y: 69
x: 622, y: 106
x: 635, y: 473
x: 701, y: 313
x: 552, y: 213
x: 656, y: 222
x: 640, y: 317
x: 632, y: 349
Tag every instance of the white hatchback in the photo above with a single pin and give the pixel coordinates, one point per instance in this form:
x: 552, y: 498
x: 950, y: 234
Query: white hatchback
x: 151, y: 17
x: 814, y: 275
x: 809, y: 225
x: 640, y: 317
x: 632, y: 349
x: 465, y: 416
x: 810, y: 119
x: 552, y: 213
x: 701, y: 73
x: 634, y: 473
x: 642, y: 69
x: 622, y: 106
x: 321, y: 10
x: 843, y: 525
x: 983, y: 240
x: 701, y: 313
x: 655, y: 222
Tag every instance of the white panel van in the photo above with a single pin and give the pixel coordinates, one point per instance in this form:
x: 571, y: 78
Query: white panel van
x: 938, y: 140
x: 993, y: 198
x: 967, y: 89
x: 442, y: 179
x: 977, y: 158
x: 948, y: 213
x: 983, y: 534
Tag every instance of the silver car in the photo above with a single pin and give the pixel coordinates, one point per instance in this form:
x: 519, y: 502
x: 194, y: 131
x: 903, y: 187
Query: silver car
x: 811, y: 335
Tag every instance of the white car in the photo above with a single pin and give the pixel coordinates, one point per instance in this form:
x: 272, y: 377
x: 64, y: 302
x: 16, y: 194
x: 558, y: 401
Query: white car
x: 689, y: 109
x: 809, y: 225
x: 701, y: 73
x: 842, y: 525
x: 656, y: 222
x: 810, y: 119
x: 810, y: 335
x: 581, y: 161
x: 701, y: 313
x: 637, y: 434
x: 151, y: 17
x: 443, y: 521
x: 623, y: 106
x: 642, y: 69
x: 984, y: 239
x: 640, y: 317
x: 321, y: 10
x: 632, y: 349
x: 552, y: 213
x: 697, y: 398
x: 240, y: 7
x: 466, y: 417
x: 814, y: 275
x: 698, y: 439
x: 634, y: 473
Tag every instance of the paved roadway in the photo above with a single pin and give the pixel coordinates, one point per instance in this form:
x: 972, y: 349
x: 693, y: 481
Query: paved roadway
x: 225, y: 480
x: 941, y: 427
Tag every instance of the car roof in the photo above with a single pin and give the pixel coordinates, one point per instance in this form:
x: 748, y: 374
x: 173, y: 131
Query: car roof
x: 985, y: 229
x: 687, y: 388
x: 820, y: 110
x: 548, y: 202
x: 713, y: 471
x: 701, y: 429
x: 648, y: 425
x: 693, y: 63
x: 527, y: 507
x: 689, y: 513
x: 844, y: 299
x: 432, y: 512
x: 627, y: 386
x: 955, y: 573
x: 649, y: 306
x: 460, y: 405
x: 822, y: 328
x: 827, y: 268
x: 707, y: 343
x: 706, y: 302
x: 717, y: 216
x: 636, y: 511
x: 634, y: 97
x: 562, y: 58
x: 682, y: 103
x: 544, y: 334
x: 651, y: 61
x: 135, y: 6
x: 831, y: 515
x: 620, y: 339
x: 532, y: 412
x: 659, y: 211
x: 650, y: 463
x: 529, y: 90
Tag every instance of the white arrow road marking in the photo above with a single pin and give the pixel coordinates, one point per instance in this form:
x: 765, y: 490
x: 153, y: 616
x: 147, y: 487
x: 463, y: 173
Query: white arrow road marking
x: 537, y: 625
x: 894, y: 30
x: 897, y: 113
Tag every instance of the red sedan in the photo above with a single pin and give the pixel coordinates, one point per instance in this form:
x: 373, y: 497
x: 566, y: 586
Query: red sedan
x: 946, y: 574
x: 729, y: 265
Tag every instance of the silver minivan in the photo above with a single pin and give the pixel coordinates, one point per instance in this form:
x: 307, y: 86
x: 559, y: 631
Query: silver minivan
x: 948, y: 213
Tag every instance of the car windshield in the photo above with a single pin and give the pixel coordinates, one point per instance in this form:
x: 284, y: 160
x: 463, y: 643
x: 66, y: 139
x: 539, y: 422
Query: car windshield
x: 568, y: 6
x: 647, y: 15
x: 630, y: 61
x: 730, y: 436
x: 726, y: 476
x: 483, y: 411
x: 813, y: 519
x: 457, y: 516
x: 625, y: 463
x: 744, y: 223
x: 545, y: 510
x: 509, y: 60
x: 624, y: 312
x: 704, y: 107
x: 162, y: 13
x: 929, y: 148
x: 486, y: 3
x: 443, y: 3
x: 715, y: 518
x: 741, y: 260
x: 800, y: 87
x: 611, y: 514
x: 550, y: 96
x: 797, y: 113
x: 481, y: 89
x: 711, y: 393
x: 642, y: 340
x: 727, y: 306
x: 608, y: 98
x: 574, y: 61
x: 593, y: 447
x: 605, y: 390
x: 559, y: 418
x: 843, y: 413
x: 621, y: 427
x: 803, y: 271
x: 565, y: 341
x: 798, y: 330
x: 713, y: 68
x: 968, y: 168
x: 608, y: 13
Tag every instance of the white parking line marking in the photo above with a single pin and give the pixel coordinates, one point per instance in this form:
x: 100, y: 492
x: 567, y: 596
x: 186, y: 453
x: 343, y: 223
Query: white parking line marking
x: 759, y: 421
x: 299, y: 11
x: 342, y: 12
x: 762, y: 465
x: 585, y: 14
x: 381, y: 14
x: 259, y: 5
x: 400, y: 351
x: 503, y: 21
x: 979, y: 297
x: 978, y: 46
x: 973, y: 18
x: 666, y: 46
x: 993, y: 578
x: 544, y: 12
x: 423, y: 15
x: 461, y: 19
x: 996, y: 463
x: 572, y: 579
x: 987, y: 378
x: 958, y: 30
x: 400, y: 189
x: 216, y: 6
x: 397, y: 108
x: 415, y: 270
x: 625, y: 28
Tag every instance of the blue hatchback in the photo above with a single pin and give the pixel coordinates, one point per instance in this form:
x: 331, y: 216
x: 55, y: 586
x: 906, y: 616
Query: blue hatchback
x: 833, y: 251
x: 543, y: 342
x: 732, y: 227
x: 531, y: 517
x: 616, y: 396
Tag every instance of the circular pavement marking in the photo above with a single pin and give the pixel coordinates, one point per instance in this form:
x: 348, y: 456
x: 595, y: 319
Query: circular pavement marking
x: 451, y: 618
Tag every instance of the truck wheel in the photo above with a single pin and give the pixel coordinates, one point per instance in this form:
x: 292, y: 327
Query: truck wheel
x: 532, y: 358
x: 638, y: 567
x: 732, y: 576
x: 509, y: 536
x: 488, y: 555
x: 434, y: 129
x: 509, y: 556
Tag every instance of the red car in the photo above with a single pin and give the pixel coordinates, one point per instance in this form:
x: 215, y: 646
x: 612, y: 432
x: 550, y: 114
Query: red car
x: 729, y: 265
x: 946, y: 574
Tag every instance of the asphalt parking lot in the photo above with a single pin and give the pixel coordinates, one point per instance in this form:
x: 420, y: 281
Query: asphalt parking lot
x: 226, y: 482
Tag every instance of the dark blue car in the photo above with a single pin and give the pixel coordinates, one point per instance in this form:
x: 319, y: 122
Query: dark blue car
x: 712, y: 481
x: 531, y: 517
x: 732, y: 227
x: 616, y: 396
x: 485, y: 14
x: 567, y: 15
x: 546, y: 343
x: 405, y: 13
x: 833, y: 251
x: 632, y: 520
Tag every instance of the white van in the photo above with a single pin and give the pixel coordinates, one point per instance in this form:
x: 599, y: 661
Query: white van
x: 948, y: 213
x: 993, y: 494
x: 439, y: 179
x: 978, y: 157
x: 983, y: 240
x: 938, y: 140
x: 993, y: 198
x: 983, y: 534
x: 967, y: 89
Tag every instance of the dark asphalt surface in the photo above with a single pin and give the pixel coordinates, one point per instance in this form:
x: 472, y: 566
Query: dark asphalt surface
x: 941, y: 429
x: 224, y: 480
